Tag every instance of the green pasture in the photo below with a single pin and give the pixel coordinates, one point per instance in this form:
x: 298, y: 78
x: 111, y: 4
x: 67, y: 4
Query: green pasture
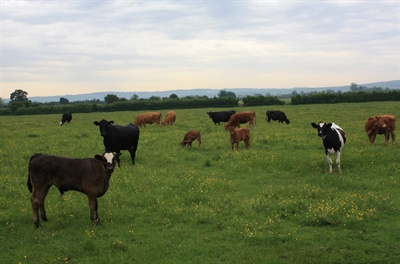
x: 273, y: 203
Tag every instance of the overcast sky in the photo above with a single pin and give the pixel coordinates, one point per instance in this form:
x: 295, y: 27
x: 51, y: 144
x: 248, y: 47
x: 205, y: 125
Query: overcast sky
x: 75, y: 47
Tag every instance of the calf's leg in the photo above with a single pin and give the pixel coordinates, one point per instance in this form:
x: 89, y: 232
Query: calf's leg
x: 93, y: 209
x: 329, y: 160
x: 338, y: 160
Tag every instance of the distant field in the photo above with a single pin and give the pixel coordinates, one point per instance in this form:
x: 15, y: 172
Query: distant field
x: 274, y: 203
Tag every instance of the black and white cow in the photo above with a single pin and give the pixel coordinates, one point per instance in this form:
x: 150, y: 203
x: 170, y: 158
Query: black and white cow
x: 66, y: 117
x: 333, y: 139
x: 222, y: 116
x: 277, y: 115
x: 117, y: 138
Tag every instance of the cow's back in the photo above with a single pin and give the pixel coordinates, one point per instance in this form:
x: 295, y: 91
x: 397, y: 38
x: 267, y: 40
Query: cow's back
x: 122, y: 137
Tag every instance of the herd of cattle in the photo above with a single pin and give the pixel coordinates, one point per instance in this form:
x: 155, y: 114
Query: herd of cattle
x: 91, y: 176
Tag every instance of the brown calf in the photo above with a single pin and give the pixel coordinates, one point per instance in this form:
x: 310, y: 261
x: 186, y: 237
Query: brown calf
x: 378, y: 125
x: 190, y: 137
x: 240, y: 134
x: 240, y: 118
x: 170, y: 118
x: 90, y: 176
x: 148, y: 118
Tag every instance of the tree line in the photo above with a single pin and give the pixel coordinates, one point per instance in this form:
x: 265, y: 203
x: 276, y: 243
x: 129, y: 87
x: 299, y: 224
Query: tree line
x: 21, y: 105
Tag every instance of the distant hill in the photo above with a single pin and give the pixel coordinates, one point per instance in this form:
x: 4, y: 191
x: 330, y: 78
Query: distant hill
x: 240, y: 92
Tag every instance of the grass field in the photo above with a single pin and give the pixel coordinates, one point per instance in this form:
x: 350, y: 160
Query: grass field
x: 274, y: 203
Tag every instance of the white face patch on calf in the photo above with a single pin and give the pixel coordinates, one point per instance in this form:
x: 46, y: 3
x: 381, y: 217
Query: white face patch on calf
x: 109, y: 157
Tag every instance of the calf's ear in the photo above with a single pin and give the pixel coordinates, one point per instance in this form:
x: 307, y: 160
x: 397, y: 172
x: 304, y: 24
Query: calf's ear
x: 98, y: 157
x: 96, y: 123
x: 314, y: 125
x: 117, y: 155
x: 111, y: 122
x: 329, y: 125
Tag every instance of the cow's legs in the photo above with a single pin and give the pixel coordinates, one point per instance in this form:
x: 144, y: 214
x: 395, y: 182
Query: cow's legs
x: 338, y: 160
x: 132, y: 152
x: 37, y: 201
x: 393, y: 137
x: 93, y: 209
x: 329, y: 160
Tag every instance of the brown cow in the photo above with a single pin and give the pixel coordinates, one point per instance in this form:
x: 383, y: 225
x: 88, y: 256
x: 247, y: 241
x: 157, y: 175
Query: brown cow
x: 240, y: 134
x: 170, y: 118
x: 241, y: 118
x: 148, y: 118
x: 385, y: 124
x: 190, y: 137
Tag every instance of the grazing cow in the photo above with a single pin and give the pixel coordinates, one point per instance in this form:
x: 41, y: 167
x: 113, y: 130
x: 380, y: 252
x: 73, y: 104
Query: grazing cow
x: 240, y: 134
x: 333, y: 139
x: 240, y: 118
x: 385, y: 124
x: 148, y: 118
x: 170, y: 118
x: 190, y: 137
x: 277, y: 115
x: 222, y: 116
x: 117, y: 138
x: 90, y: 176
x: 66, y: 117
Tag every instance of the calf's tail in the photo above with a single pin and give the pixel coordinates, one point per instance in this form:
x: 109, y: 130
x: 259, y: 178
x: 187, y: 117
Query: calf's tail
x: 29, y: 177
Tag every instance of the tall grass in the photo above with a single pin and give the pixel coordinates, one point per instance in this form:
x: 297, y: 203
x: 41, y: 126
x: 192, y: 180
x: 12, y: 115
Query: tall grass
x: 274, y: 203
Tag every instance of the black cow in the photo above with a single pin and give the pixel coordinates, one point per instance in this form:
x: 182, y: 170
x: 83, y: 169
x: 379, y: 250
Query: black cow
x: 277, y: 115
x: 222, y: 116
x: 66, y: 117
x: 333, y: 139
x: 90, y: 176
x: 117, y: 138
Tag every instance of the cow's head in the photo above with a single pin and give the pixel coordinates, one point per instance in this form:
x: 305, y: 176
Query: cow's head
x: 109, y: 159
x: 104, y: 125
x: 379, y: 122
x: 322, y: 128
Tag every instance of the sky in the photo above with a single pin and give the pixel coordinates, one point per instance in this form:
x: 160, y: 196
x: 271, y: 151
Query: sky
x: 78, y: 47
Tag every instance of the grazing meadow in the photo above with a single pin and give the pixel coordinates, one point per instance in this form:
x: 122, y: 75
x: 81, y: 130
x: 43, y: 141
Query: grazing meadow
x: 273, y: 203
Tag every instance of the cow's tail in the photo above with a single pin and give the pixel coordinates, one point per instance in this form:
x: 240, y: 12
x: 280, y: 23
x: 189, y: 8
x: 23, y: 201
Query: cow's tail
x: 29, y: 176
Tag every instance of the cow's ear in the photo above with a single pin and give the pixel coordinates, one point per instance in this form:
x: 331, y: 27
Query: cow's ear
x: 96, y: 123
x: 111, y: 122
x: 329, y: 125
x: 98, y: 157
x: 117, y: 155
x: 314, y: 125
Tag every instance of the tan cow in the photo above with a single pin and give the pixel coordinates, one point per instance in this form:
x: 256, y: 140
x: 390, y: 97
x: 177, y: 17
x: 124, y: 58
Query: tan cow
x: 240, y: 134
x: 378, y: 125
x: 170, y: 118
x: 241, y: 118
x: 148, y: 118
x: 190, y: 137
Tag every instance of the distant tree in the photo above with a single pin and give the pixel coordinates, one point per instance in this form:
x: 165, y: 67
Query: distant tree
x: 64, y: 100
x: 294, y: 93
x: 1, y: 102
x: 155, y: 98
x: 111, y: 98
x: 224, y: 93
x: 134, y: 97
x: 173, y: 96
x: 123, y: 99
x: 354, y: 87
x: 19, y: 95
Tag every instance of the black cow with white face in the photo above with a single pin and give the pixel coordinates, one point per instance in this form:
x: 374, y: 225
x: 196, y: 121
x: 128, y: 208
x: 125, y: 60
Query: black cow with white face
x: 117, y: 138
x: 66, y: 117
x: 333, y: 139
x: 222, y: 116
x: 277, y: 115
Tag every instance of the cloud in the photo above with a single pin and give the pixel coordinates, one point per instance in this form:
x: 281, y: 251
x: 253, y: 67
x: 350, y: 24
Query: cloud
x: 156, y: 45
